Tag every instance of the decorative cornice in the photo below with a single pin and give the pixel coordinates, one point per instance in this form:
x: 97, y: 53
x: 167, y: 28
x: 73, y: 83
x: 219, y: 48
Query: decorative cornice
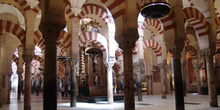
x: 32, y: 3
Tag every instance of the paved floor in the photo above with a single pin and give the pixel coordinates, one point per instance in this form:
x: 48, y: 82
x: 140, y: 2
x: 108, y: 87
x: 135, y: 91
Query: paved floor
x: 150, y: 102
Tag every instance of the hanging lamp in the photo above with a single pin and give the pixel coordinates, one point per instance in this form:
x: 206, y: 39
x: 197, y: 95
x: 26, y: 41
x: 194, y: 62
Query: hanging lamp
x: 155, y: 9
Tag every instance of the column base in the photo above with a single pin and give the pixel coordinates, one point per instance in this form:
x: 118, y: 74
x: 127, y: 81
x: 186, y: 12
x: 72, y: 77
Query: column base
x: 164, y: 97
x: 27, y: 107
x: 73, y: 105
x: 213, y: 105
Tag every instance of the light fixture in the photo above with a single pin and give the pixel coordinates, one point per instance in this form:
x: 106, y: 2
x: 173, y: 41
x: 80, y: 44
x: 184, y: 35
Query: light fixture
x: 63, y: 58
x: 156, y: 9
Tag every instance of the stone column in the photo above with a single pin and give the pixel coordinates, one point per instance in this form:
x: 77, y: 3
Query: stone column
x: 128, y: 77
x: 27, y: 83
x: 110, y: 81
x: 198, y: 79
x: 211, y: 79
x: 73, y: 63
x: 149, y: 85
x: 179, y: 95
x: 184, y: 76
x: 163, y: 79
x: 127, y: 43
x: 139, y: 66
x: 66, y: 83
x: 51, y: 32
x: 19, y: 72
x: 147, y: 82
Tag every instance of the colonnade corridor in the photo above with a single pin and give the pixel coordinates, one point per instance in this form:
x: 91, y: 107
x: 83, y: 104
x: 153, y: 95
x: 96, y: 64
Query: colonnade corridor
x: 193, y: 101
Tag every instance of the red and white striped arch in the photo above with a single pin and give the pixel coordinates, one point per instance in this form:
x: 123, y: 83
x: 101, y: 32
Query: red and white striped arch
x: 118, y: 52
x: 62, y: 48
x: 167, y: 22
x: 21, y: 5
x: 154, y: 23
x: 191, y: 31
x: 116, y: 7
x: 217, y: 22
x: 196, y: 18
x: 39, y: 59
x: 154, y: 45
x: 117, y: 65
x: 15, y: 29
x: 199, y: 23
x: 40, y: 44
x: 218, y: 42
x: 135, y: 49
x: 97, y: 39
x: 38, y: 36
x: 26, y: 7
x: 39, y: 41
x: 89, y: 10
x: 169, y: 28
x: 152, y: 31
x: 192, y: 51
x: 15, y: 59
x: 216, y: 7
x: 67, y: 39
x: 69, y: 12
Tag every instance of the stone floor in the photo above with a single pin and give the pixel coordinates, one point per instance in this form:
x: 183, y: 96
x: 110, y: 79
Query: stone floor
x: 150, y: 102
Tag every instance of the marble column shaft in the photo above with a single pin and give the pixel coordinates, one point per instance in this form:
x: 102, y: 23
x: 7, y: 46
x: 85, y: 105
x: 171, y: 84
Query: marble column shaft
x: 50, y: 71
x: 128, y: 80
x: 66, y: 84
x: 184, y: 76
x: 163, y: 80
x: 73, y: 83
x: 27, y: 83
x: 198, y: 80
x: 110, y: 83
x: 139, y: 66
x: 211, y: 81
x: 179, y: 95
x: 19, y: 85
x: 147, y: 82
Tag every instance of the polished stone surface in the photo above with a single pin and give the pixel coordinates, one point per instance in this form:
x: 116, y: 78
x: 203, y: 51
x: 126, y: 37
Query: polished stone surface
x: 150, y: 102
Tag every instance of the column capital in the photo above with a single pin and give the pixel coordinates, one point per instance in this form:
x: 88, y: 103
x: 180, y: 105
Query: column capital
x: 176, y: 52
x: 162, y: 65
x: 207, y: 53
x: 19, y: 72
x: 28, y: 55
x: 50, y: 28
x: 73, y: 62
x: 197, y: 67
x: 27, y: 58
x: 127, y: 39
x: 139, y: 64
x: 110, y: 65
